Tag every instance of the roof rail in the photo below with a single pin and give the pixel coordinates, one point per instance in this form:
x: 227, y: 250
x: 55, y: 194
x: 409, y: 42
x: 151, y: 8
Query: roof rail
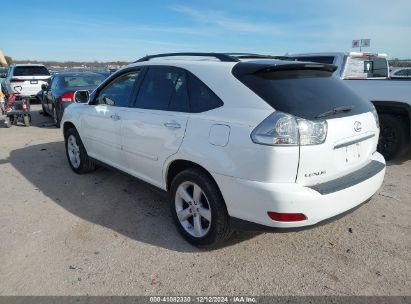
x: 221, y: 56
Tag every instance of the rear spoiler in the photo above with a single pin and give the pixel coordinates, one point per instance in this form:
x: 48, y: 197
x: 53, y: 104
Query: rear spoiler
x: 259, y: 67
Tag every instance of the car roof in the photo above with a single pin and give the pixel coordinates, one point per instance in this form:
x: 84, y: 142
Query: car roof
x: 255, y: 64
x: 27, y: 64
x: 78, y: 74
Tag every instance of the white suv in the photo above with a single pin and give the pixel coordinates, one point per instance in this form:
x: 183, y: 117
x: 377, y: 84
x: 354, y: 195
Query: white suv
x: 26, y: 79
x: 237, y: 144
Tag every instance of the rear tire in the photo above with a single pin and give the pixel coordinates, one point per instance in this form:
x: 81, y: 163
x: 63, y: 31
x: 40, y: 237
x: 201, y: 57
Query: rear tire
x: 56, y: 118
x: 76, y: 153
x: 393, y: 136
x: 188, y: 216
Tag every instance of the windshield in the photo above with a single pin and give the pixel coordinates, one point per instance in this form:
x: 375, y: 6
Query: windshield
x: 305, y: 93
x: 365, y: 67
x: 31, y: 71
x: 83, y: 81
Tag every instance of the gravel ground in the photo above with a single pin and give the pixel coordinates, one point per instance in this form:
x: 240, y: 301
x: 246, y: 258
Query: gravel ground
x: 106, y: 233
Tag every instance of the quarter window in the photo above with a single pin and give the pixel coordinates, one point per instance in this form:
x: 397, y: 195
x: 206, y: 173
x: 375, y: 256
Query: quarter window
x: 118, y: 92
x: 201, y: 97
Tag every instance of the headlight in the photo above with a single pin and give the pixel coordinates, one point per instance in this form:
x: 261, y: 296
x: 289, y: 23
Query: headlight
x: 284, y: 129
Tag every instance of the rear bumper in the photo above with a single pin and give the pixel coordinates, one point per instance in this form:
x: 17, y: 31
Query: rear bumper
x: 250, y: 200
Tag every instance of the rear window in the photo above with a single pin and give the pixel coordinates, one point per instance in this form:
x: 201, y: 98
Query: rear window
x: 31, y: 71
x: 304, y: 93
x: 82, y: 81
x: 365, y: 67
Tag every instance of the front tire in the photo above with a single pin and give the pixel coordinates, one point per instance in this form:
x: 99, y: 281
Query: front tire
x: 198, y: 209
x: 76, y: 153
x: 393, y: 136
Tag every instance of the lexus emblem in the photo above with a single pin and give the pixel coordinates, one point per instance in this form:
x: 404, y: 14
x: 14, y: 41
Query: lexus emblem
x: 357, y: 126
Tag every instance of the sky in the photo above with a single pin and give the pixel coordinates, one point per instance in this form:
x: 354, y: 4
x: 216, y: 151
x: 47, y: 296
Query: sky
x: 88, y: 30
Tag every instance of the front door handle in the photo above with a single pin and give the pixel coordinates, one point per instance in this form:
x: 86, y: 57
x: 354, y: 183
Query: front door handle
x: 115, y: 117
x: 172, y: 124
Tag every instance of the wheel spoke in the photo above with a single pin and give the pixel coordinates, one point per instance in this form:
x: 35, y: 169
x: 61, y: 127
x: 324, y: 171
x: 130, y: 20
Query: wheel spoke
x: 184, y: 214
x: 184, y: 194
x: 197, y: 226
x: 205, y: 213
x: 197, y: 192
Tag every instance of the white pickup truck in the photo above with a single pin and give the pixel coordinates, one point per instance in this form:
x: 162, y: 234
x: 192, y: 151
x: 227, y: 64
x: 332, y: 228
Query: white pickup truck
x: 368, y: 75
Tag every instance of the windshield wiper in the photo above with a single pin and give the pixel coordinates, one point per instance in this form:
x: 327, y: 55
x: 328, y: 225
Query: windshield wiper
x: 336, y: 111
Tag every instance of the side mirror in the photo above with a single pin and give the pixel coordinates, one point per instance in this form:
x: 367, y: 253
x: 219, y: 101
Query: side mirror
x: 44, y: 87
x: 82, y: 96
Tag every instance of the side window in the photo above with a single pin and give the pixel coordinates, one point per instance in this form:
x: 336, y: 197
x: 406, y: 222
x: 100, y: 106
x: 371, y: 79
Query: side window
x: 164, y: 89
x: 118, y: 92
x: 401, y: 73
x: 201, y: 97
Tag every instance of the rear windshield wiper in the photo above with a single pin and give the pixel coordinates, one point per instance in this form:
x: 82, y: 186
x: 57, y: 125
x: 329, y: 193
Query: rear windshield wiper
x: 336, y: 111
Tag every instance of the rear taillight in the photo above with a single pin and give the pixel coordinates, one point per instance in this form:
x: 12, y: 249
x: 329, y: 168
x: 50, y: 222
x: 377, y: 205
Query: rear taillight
x: 68, y: 97
x: 286, y: 217
x: 13, y: 80
x: 285, y: 129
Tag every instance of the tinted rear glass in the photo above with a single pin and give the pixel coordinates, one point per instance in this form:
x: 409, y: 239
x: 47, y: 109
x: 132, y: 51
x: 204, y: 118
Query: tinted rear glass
x: 82, y: 81
x: 304, y: 93
x: 31, y: 71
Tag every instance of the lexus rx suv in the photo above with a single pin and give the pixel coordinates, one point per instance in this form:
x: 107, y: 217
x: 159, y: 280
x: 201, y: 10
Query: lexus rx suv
x: 239, y: 143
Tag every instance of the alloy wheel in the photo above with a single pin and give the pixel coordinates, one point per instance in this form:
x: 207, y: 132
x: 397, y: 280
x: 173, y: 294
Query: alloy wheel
x: 73, y: 150
x: 193, y: 209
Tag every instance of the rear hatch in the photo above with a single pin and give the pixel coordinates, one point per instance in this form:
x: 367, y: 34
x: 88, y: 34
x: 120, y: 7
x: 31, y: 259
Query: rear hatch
x: 350, y: 142
x: 310, y: 92
x: 29, y: 78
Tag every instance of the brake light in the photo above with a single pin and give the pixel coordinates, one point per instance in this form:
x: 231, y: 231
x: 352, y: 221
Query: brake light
x: 17, y: 80
x: 284, y: 129
x: 68, y: 97
x: 286, y: 217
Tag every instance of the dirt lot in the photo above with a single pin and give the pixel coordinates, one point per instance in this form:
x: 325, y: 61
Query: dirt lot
x: 109, y: 234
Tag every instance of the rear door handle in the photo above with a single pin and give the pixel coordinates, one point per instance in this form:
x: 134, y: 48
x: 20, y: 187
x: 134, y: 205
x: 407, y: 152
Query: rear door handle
x: 115, y: 117
x: 172, y: 124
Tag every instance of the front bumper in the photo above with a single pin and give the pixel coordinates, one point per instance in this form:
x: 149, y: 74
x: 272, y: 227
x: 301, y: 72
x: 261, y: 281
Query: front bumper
x: 250, y: 200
